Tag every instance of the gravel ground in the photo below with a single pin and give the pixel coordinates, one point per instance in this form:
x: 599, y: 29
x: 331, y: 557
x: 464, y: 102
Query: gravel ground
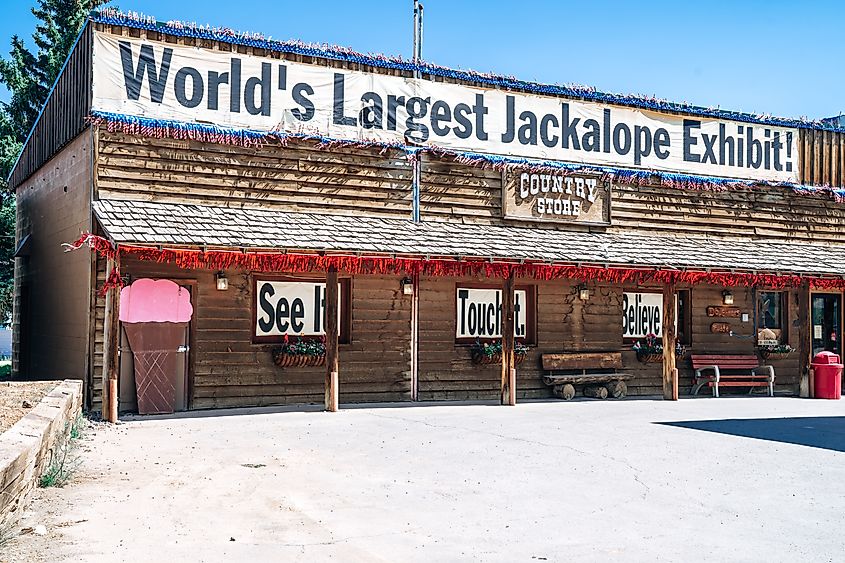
x: 735, y: 479
x: 15, y: 394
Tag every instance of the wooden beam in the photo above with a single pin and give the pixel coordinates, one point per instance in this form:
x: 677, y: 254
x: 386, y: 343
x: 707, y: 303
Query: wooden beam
x: 331, y: 340
x: 508, y: 366
x: 804, y: 343
x: 111, y: 364
x: 670, y: 373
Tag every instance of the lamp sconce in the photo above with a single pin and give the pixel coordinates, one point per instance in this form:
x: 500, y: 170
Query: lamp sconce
x: 583, y: 292
x: 222, y: 281
x: 727, y: 297
x: 407, y: 286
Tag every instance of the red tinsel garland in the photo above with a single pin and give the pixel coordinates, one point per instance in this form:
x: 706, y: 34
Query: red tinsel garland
x: 302, y: 263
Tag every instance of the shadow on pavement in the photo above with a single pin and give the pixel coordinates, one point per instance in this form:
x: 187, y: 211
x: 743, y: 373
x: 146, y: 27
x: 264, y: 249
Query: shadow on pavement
x: 826, y: 432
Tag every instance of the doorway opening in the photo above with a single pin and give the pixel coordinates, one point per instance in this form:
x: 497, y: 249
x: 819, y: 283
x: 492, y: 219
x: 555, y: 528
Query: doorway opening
x: 826, y: 323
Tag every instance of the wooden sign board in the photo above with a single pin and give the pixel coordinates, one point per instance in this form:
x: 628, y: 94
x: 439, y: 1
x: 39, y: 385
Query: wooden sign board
x: 555, y: 197
x: 726, y: 312
x: 720, y: 328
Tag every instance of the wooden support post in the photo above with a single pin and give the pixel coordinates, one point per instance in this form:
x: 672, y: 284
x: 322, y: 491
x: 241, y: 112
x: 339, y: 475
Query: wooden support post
x: 508, y: 365
x: 804, y: 340
x: 111, y: 365
x: 670, y: 373
x: 331, y: 340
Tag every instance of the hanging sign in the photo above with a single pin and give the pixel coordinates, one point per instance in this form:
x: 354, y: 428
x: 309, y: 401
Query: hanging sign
x: 292, y: 308
x: 159, y: 80
x: 556, y: 198
x: 479, y: 313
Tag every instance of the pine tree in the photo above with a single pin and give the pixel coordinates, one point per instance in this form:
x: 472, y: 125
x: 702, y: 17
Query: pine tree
x: 29, y: 76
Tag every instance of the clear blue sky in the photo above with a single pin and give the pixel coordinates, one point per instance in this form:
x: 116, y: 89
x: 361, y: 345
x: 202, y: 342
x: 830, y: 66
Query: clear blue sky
x: 783, y: 58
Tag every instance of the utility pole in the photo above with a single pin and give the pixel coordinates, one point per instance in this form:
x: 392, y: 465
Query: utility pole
x: 417, y: 57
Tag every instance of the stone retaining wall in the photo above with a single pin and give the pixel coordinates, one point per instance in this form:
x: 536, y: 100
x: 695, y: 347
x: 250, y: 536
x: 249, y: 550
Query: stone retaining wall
x: 26, y: 448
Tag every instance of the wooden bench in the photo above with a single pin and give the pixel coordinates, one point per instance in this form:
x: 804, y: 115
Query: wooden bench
x: 730, y: 371
x: 596, y: 371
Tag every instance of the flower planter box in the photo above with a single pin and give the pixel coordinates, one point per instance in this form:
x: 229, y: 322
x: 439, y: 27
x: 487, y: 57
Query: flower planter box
x: 774, y: 355
x: 650, y: 358
x: 298, y: 360
x: 483, y: 359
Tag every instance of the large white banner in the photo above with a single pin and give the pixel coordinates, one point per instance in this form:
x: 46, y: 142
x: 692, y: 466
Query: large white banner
x: 166, y: 81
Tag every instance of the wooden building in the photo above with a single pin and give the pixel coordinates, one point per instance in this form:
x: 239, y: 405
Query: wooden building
x: 255, y: 173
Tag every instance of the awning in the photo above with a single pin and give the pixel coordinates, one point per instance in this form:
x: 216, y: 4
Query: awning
x: 179, y: 225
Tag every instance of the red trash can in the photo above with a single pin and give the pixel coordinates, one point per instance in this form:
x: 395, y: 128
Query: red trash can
x: 827, y: 376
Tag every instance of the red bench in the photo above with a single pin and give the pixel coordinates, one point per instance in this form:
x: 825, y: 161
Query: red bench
x: 730, y: 371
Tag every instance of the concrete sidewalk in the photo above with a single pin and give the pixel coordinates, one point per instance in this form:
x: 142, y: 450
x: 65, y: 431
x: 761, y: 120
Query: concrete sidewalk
x: 632, y: 480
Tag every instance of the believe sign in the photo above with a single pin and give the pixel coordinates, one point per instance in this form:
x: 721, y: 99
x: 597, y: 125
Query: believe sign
x: 167, y: 81
x: 642, y: 314
x: 479, y: 313
x: 292, y: 308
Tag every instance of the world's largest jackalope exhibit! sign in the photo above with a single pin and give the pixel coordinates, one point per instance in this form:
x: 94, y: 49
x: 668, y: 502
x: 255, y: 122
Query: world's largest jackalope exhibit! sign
x: 165, y: 81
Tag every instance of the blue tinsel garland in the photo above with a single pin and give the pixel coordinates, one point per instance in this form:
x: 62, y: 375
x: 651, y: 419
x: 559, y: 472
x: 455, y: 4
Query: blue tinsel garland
x: 247, y: 137
x: 225, y: 35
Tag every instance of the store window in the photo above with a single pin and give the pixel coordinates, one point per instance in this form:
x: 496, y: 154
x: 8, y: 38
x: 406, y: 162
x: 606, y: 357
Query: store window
x: 771, y: 317
x: 478, y: 314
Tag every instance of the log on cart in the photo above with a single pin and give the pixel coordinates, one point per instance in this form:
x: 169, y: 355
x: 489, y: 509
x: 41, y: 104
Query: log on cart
x: 595, y: 372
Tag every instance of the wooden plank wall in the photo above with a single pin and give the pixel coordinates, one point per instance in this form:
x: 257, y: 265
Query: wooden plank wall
x: 300, y: 177
x: 451, y: 191
x: 50, y: 339
x: 294, y: 178
x: 822, y: 161
x: 63, y: 116
x: 761, y: 213
x: 230, y: 371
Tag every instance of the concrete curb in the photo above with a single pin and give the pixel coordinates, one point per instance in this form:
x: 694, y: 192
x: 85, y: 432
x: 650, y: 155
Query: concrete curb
x: 26, y: 448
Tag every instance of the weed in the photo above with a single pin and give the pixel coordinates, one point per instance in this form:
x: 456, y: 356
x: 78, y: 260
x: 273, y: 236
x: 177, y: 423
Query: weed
x: 8, y: 529
x: 77, y: 429
x: 63, y: 464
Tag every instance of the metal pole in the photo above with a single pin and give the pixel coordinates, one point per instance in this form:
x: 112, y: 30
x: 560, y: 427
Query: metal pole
x: 417, y: 56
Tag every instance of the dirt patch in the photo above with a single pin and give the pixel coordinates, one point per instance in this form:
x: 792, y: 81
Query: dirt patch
x: 14, y: 395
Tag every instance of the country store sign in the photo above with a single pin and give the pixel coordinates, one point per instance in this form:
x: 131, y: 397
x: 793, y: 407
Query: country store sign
x: 167, y: 81
x: 556, y: 198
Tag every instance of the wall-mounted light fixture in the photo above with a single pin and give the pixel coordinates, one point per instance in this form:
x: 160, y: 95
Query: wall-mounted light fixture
x: 222, y: 281
x: 583, y: 292
x: 407, y: 286
x: 727, y: 297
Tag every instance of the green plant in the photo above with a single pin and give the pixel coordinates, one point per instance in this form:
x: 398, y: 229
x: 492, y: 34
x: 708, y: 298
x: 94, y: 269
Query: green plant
x: 61, y: 468
x: 493, y: 348
x: 63, y: 464
x: 77, y: 429
x: 302, y: 347
x: 654, y: 345
x: 776, y: 348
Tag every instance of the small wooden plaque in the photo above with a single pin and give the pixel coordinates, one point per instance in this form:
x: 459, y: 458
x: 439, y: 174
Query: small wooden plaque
x: 727, y: 312
x: 720, y: 328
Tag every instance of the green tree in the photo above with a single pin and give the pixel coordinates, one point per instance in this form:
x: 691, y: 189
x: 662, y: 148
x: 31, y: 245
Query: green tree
x: 29, y: 75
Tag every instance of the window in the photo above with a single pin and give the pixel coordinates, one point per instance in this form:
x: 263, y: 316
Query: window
x: 685, y: 317
x: 771, y: 316
x: 642, y: 314
x: 478, y: 313
x: 296, y: 307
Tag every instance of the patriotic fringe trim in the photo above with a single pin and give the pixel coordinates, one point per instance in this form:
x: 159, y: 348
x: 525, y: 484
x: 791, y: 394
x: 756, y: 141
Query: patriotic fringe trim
x: 304, y: 263
x: 112, y: 16
x: 104, y: 248
x: 206, y: 133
